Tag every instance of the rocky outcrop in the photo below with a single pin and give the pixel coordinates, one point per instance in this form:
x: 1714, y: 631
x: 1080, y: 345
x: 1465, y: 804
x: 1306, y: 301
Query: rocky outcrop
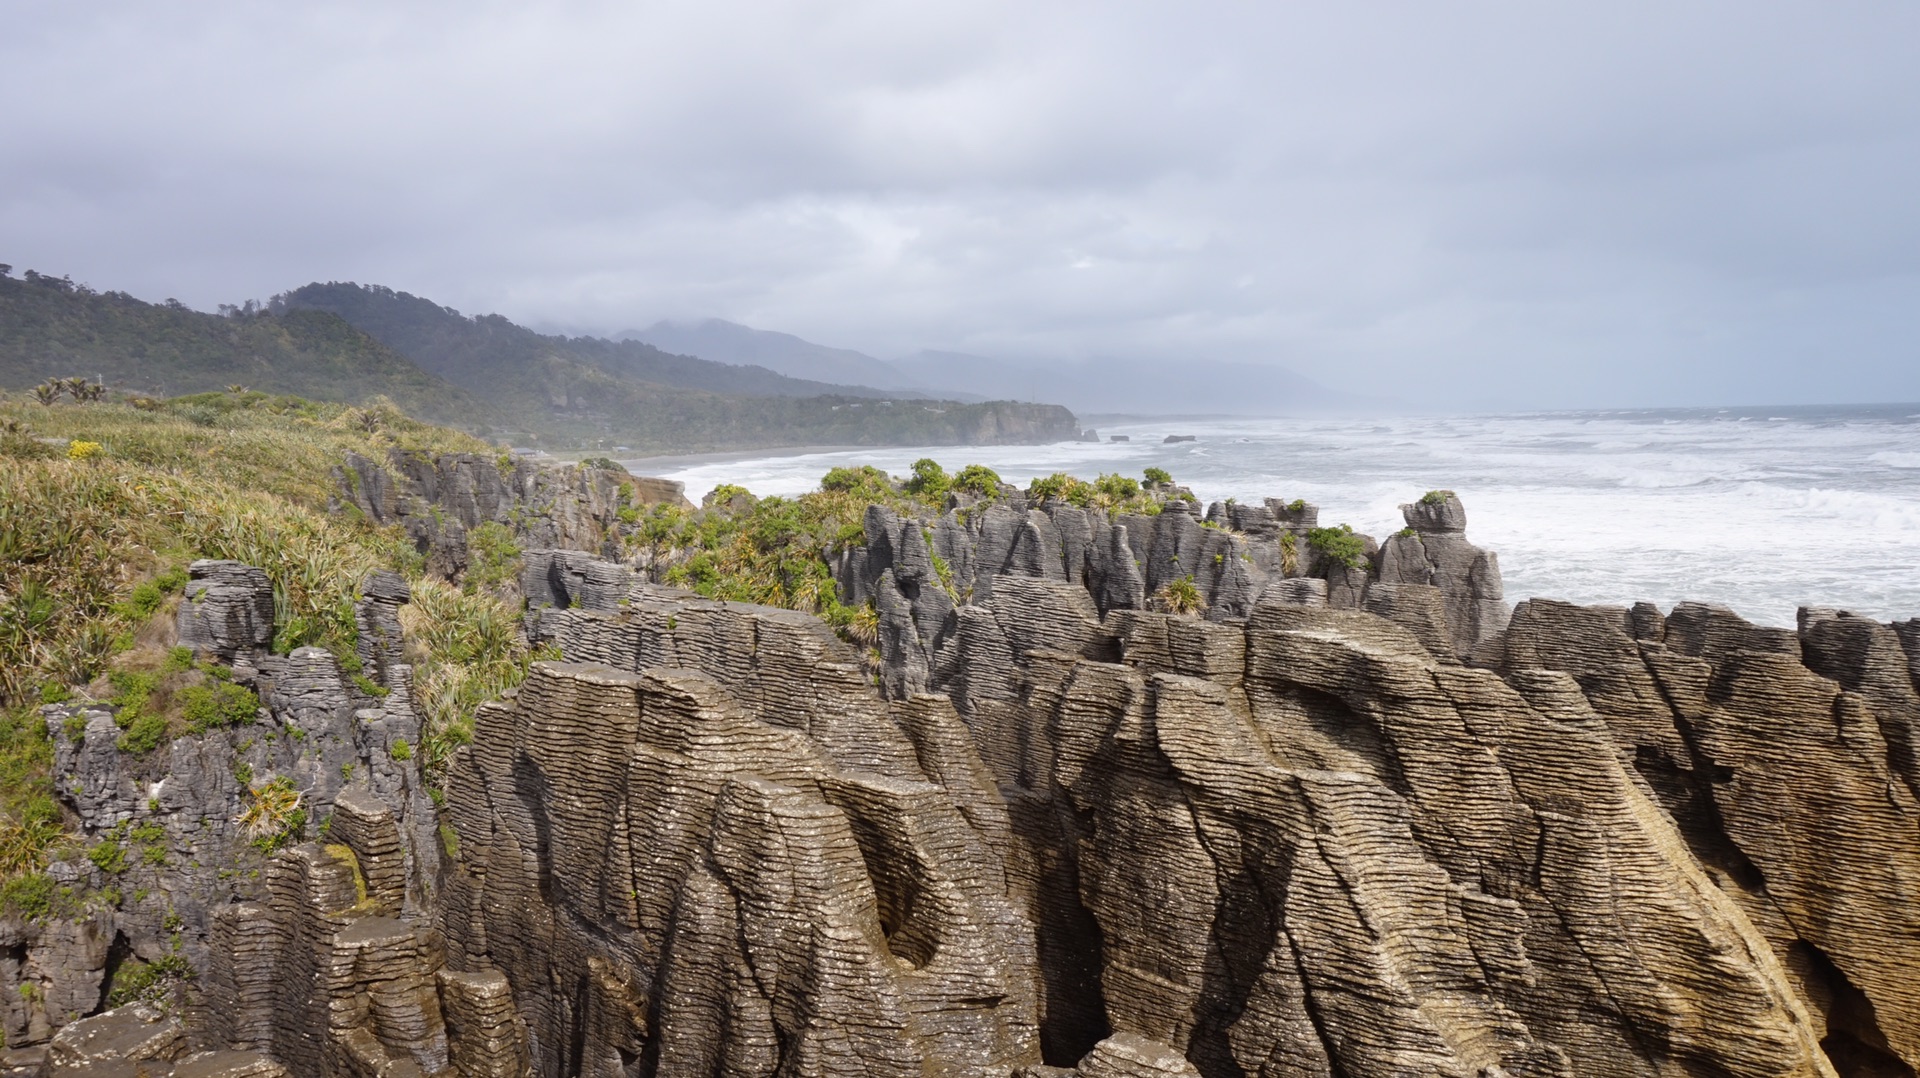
x: 1347, y: 821
x: 167, y: 831
x: 920, y: 572
x: 1784, y: 760
x: 708, y: 846
x: 437, y: 499
x: 228, y: 613
x: 1433, y: 551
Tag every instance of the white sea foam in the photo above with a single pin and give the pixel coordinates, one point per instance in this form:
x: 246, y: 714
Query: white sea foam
x: 1821, y: 507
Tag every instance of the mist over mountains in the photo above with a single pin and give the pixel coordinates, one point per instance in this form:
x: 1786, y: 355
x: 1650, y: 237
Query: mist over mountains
x: 1101, y: 385
x: 353, y: 343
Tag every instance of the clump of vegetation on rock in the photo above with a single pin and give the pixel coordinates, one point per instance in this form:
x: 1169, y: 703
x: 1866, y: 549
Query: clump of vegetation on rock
x: 1339, y: 545
x: 275, y: 814
x: 977, y: 479
x: 1181, y: 596
x: 92, y: 556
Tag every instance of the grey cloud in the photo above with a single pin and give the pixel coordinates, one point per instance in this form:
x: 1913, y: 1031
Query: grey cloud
x: 1474, y: 204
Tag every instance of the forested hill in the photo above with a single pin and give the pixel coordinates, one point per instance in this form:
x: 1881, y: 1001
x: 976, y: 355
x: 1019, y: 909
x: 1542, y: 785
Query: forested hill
x: 486, y: 375
x: 51, y: 327
x: 586, y: 391
x: 489, y: 353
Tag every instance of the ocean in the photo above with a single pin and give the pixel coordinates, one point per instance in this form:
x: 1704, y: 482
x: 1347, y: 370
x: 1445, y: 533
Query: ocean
x: 1764, y: 510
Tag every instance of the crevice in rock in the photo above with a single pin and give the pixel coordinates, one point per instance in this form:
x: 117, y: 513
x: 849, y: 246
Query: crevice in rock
x: 1854, y: 1041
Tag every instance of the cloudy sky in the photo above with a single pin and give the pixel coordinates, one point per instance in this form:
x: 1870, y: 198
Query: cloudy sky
x: 1468, y: 204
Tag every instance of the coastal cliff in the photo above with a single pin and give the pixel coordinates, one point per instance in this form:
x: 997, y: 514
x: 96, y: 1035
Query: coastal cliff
x: 1117, y: 791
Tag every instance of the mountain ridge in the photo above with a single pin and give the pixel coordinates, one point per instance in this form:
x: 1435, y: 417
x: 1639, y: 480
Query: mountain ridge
x: 1103, y: 384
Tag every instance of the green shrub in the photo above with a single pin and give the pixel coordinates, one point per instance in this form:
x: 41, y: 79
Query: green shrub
x: 1158, y: 476
x: 31, y: 895
x: 1339, y: 545
x: 977, y: 479
x: 1118, y: 487
x: 274, y: 815
x: 604, y: 464
x: 864, y: 481
x: 145, y: 732
x: 1298, y: 505
x: 401, y: 749
x: 1435, y: 497
x: 136, y: 981
x: 148, y: 595
x: 1060, y: 485
x: 1182, y: 596
x: 493, y: 558
x: 222, y: 704
x: 929, y: 480
x: 108, y: 856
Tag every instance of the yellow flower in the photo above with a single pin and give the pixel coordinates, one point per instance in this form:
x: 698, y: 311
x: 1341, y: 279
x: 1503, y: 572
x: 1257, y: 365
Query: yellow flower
x: 79, y: 450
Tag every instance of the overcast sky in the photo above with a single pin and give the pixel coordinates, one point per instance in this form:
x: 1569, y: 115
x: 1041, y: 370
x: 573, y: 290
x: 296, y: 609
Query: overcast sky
x: 1516, y: 204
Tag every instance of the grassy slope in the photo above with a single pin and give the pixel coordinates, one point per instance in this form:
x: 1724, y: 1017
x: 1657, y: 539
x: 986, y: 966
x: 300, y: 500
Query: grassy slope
x: 89, y: 548
x: 50, y: 327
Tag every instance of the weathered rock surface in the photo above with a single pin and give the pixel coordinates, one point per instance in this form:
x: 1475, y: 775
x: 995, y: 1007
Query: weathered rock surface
x: 140, y: 1041
x: 438, y: 499
x: 1443, y: 589
x: 174, y: 814
x: 712, y: 848
x: 1351, y: 821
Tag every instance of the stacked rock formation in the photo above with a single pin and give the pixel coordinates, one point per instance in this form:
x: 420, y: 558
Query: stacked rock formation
x: 1391, y: 838
x: 176, y: 811
x: 707, y: 846
x: 923, y: 575
x: 438, y: 499
x: 1350, y: 820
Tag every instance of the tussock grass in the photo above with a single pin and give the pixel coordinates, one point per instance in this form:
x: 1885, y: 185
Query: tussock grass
x: 466, y: 648
x: 240, y: 476
x: 93, y: 544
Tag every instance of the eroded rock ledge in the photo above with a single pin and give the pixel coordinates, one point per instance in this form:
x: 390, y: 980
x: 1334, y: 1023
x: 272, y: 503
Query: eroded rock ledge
x: 1349, y: 825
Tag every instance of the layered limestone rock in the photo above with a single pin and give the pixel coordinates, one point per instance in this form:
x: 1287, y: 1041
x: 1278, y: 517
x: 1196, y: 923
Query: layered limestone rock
x: 170, y: 849
x: 438, y: 499
x: 1309, y: 841
x: 1433, y: 551
x: 919, y: 573
x: 710, y: 847
x: 1785, y: 760
x: 1347, y: 822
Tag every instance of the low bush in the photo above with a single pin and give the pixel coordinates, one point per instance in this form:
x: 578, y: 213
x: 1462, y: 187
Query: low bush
x: 977, y: 479
x: 1181, y: 596
x: 221, y: 704
x: 1339, y: 545
x: 929, y: 480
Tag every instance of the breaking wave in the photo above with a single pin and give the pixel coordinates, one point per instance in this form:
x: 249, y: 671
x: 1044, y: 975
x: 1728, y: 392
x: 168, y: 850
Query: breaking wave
x: 1756, y: 510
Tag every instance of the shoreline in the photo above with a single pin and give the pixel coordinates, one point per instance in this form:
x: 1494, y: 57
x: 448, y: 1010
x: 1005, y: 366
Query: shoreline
x: 678, y: 461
